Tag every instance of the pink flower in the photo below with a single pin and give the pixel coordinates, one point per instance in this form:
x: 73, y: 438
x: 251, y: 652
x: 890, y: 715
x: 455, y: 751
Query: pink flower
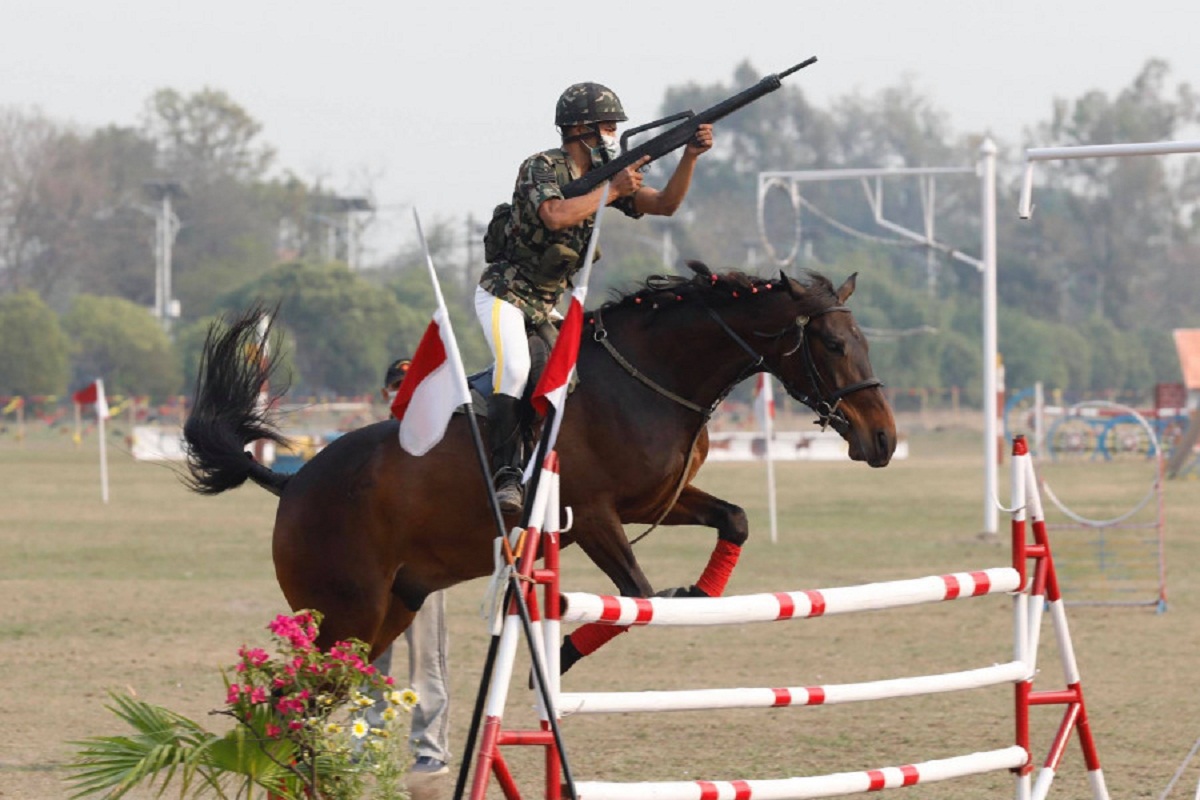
x: 295, y: 725
x: 255, y: 657
x: 231, y: 697
x: 273, y: 731
x: 299, y: 630
x: 258, y: 695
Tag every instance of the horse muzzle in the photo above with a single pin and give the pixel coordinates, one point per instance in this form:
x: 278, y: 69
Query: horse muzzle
x: 874, y: 445
x: 870, y: 431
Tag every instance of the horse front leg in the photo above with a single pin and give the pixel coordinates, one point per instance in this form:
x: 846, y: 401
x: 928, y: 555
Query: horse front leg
x: 605, y: 543
x: 695, y: 507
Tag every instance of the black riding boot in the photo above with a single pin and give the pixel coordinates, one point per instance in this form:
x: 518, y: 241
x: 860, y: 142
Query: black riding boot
x: 505, y: 440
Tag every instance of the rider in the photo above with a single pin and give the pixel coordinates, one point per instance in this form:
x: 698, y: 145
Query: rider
x: 535, y: 244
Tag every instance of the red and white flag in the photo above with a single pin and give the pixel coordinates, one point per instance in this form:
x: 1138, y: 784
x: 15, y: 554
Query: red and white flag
x: 93, y: 395
x: 764, y: 400
x: 436, y: 383
x: 551, y: 389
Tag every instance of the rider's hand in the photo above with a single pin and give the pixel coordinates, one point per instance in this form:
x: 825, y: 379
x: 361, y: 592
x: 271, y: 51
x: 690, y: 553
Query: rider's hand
x: 701, y: 142
x: 629, y: 180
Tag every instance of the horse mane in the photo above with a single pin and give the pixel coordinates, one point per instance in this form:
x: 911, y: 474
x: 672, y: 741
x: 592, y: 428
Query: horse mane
x: 720, y: 289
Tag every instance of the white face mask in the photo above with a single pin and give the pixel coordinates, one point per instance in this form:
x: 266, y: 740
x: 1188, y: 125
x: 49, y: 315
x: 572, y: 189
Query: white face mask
x: 609, y: 145
x: 391, y: 396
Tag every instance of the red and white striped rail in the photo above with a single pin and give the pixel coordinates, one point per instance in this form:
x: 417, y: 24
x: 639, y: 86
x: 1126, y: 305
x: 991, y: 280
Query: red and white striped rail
x: 826, y: 695
x: 581, y: 607
x: 834, y: 785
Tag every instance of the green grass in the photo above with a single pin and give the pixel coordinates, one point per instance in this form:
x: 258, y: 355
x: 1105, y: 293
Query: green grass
x: 155, y: 591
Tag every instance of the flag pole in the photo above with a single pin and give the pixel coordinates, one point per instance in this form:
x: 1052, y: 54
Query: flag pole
x: 476, y: 436
x: 101, y: 408
x: 551, y: 424
x: 103, y: 457
x: 768, y: 424
x: 514, y: 590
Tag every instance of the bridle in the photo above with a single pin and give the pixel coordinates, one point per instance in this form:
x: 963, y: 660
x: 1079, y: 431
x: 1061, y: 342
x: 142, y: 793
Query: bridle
x: 826, y: 403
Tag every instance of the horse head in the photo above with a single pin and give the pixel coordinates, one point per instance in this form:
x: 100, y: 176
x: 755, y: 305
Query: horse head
x: 808, y: 339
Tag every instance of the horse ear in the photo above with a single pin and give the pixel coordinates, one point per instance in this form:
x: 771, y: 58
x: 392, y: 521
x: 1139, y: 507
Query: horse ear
x: 846, y: 289
x: 794, y: 288
x: 700, y: 268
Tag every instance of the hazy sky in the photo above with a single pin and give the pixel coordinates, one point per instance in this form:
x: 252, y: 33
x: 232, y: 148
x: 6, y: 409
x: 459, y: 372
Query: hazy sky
x: 435, y: 104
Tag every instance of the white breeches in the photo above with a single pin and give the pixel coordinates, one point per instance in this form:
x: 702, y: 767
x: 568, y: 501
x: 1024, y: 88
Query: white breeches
x: 504, y: 328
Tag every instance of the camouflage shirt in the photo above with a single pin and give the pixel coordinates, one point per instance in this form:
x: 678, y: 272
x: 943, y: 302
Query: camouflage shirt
x: 536, y: 264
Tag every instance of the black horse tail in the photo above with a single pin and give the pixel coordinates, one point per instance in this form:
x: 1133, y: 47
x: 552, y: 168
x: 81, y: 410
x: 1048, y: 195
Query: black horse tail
x: 226, y: 411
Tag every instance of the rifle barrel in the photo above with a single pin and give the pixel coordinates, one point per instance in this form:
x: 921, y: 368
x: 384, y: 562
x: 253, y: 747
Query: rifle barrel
x: 798, y: 67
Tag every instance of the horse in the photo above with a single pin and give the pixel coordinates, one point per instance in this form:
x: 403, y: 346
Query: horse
x: 364, y: 531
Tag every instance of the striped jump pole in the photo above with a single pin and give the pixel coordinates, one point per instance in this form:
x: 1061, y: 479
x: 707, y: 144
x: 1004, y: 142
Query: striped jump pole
x: 834, y: 785
x: 1030, y: 581
x: 772, y: 607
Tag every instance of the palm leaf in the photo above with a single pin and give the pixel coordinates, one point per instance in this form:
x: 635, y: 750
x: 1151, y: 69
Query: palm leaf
x: 161, y: 744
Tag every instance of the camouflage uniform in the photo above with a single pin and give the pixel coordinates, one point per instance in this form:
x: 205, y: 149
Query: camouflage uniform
x: 536, y: 264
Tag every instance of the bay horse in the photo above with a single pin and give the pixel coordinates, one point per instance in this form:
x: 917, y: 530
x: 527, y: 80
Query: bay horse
x: 365, y: 531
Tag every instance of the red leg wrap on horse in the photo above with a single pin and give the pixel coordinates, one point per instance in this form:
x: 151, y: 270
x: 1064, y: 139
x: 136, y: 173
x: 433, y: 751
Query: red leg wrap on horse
x: 591, y: 637
x: 720, y: 566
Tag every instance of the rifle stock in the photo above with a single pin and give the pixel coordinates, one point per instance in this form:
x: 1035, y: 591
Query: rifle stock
x: 679, y: 135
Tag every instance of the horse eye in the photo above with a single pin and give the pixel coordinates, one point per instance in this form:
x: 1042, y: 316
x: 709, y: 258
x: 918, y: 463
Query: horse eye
x: 835, y: 346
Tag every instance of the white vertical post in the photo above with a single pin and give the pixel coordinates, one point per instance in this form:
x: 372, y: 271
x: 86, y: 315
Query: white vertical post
x: 987, y: 153
x: 103, y: 458
x: 1039, y: 420
x: 771, y: 508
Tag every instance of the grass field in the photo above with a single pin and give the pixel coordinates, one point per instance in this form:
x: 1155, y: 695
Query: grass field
x: 155, y: 592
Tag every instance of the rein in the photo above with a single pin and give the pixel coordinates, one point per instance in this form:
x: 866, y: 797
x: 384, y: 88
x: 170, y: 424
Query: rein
x: 825, y: 405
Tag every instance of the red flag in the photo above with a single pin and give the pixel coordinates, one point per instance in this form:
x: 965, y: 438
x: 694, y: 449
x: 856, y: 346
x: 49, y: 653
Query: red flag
x: 551, y: 389
x: 93, y: 394
x: 434, y: 387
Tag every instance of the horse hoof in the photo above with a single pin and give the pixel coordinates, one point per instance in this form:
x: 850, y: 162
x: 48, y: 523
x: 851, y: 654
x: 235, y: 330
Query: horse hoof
x: 681, y: 591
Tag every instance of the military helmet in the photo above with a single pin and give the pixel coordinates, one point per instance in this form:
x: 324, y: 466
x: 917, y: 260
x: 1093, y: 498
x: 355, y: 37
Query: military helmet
x: 585, y: 103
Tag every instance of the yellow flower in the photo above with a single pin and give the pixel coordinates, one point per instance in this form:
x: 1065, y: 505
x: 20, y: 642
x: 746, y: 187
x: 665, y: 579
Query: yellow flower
x: 388, y: 714
x: 360, y: 728
x: 406, y: 698
x: 362, y: 701
x: 333, y: 727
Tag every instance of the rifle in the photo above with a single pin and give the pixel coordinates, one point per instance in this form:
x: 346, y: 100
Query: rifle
x: 677, y: 136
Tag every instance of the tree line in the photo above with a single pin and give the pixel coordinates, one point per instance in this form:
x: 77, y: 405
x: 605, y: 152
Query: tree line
x: 1089, y: 289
